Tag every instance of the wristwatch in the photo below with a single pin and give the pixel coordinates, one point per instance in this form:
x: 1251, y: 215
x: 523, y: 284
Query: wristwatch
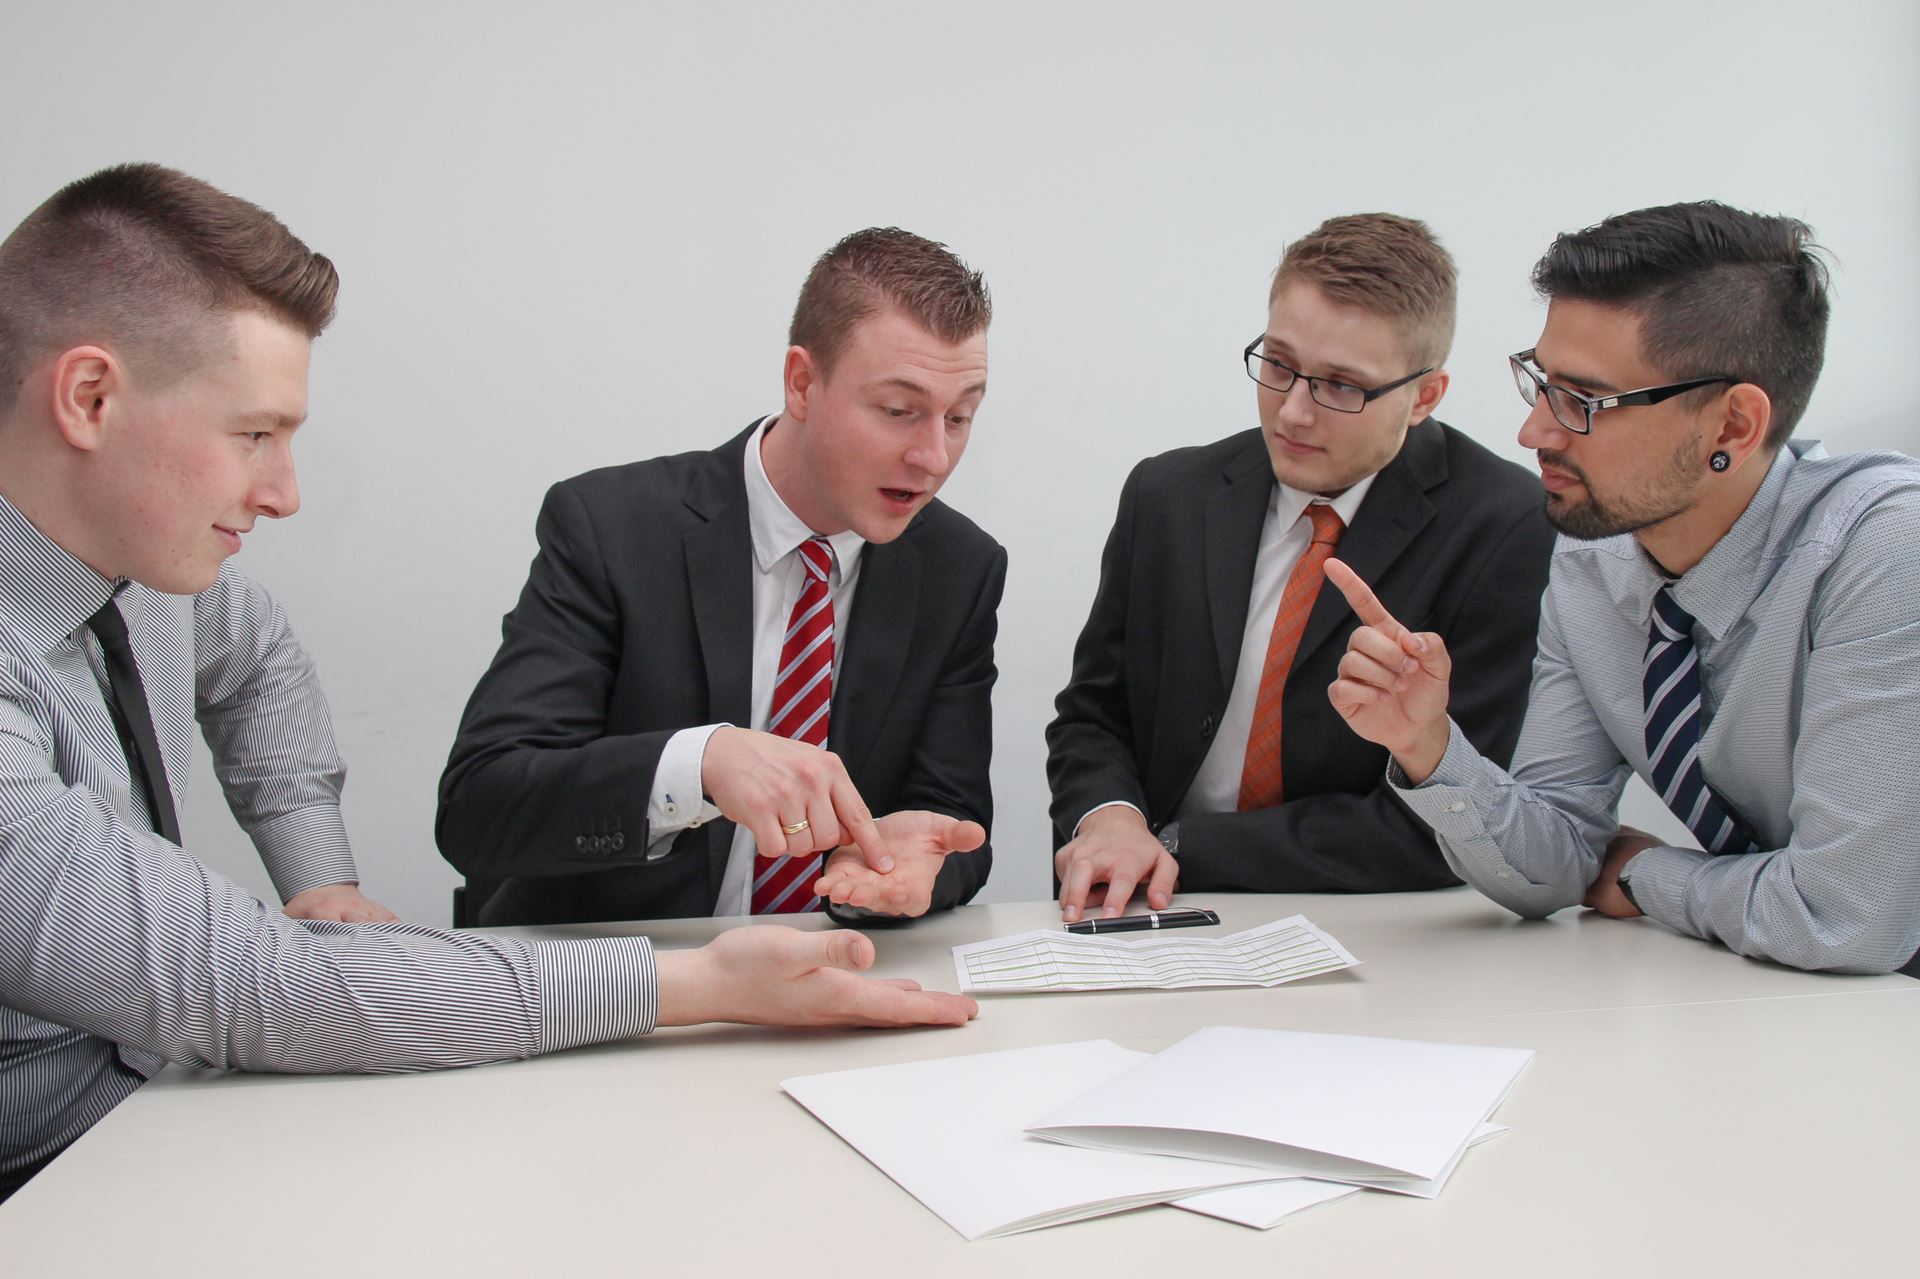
x: 1170, y: 838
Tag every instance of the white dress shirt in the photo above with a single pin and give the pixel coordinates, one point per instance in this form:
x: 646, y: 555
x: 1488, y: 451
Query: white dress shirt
x: 1284, y: 538
x: 676, y: 803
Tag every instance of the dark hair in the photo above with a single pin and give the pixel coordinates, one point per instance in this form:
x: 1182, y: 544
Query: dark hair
x: 1383, y: 263
x: 1719, y: 292
x: 148, y: 259
x: 885, y: 266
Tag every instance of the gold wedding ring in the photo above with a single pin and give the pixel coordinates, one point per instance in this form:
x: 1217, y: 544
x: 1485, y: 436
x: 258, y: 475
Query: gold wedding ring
x: 796, y: 827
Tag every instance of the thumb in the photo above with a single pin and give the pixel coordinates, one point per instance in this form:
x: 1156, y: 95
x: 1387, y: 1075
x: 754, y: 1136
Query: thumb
x: 963, y: 837
x: 845, y: 948
x: 1430, y: 651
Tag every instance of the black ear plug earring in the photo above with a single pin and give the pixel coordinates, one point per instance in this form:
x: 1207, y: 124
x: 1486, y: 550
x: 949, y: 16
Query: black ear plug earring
x: 1719, y: 461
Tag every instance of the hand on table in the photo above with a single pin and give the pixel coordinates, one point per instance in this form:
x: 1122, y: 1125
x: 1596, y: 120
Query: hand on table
x: 768, y: 784
x: 1604, y: 894
x: 1113, y: 847
x: 768, y: 975
x: 338, y: 901
x: 1392, y: 689
x: 920, y: 844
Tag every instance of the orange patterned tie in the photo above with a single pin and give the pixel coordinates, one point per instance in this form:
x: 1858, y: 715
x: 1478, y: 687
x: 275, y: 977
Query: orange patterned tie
x: 1260, y: 780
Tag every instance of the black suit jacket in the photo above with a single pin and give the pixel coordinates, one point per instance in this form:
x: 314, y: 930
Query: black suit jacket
x: 636, y: 621
x: 1451, y: 538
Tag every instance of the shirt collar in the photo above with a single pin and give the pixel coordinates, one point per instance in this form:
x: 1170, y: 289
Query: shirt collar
x: 1289, y: 503
x: 777, y: 532
x: 50, y: 594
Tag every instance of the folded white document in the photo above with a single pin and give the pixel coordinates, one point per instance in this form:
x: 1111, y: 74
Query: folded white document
x: 1378, y: 1112
x: 949, y: 1132
x: 1048, y: 959
x: 1265, y: 1204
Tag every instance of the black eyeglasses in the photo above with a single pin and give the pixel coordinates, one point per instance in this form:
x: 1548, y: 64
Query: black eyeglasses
x: 1574, y: 410
x: 1331, y: 393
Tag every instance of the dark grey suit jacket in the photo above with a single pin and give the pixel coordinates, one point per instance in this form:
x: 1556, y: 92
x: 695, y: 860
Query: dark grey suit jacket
x: 636, y: 621
x: 1451, y: 538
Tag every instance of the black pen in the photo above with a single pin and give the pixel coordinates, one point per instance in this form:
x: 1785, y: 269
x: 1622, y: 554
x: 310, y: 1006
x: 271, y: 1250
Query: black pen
x: 1183, y: 918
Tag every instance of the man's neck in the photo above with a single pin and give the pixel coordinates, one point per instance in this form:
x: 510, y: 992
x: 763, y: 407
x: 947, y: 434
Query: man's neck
x: 780, y: 446
x: 1679, y: 543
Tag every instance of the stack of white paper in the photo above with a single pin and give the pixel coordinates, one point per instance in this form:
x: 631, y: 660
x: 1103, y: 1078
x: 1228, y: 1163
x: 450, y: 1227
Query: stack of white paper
x: 1247, y: 1125
x: 950, y: 1132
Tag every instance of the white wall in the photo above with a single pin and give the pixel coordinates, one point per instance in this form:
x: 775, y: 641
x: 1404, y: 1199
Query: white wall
x: 571, y: 234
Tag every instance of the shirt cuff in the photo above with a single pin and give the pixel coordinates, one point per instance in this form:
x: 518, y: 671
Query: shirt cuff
x: 1112, y: 803
x: 594, y: 990
x: 1453, y: 801
x: 306, y: 848
x: 1660, y: 877
x: 677, y: 802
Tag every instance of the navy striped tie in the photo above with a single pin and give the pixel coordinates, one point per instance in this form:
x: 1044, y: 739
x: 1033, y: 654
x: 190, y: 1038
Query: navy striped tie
x: 1670, y: 677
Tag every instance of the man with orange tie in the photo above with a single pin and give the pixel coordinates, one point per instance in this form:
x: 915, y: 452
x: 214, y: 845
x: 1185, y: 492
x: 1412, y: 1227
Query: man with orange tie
x: 724, y: 663
x: 1194, y: 746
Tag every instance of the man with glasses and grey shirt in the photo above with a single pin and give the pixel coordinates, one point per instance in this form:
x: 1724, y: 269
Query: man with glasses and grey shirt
x: 1733, y: 615
x: 1194, y: 746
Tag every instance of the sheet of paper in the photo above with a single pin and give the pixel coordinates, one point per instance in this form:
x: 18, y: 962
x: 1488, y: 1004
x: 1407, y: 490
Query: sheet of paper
x: 949, y: 1131
x: 1338, y: 1107
x: 1265, y: 1204
x: 1048, y: 959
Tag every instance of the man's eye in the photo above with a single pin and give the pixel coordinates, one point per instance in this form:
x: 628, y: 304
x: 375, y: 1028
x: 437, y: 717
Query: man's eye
x: 891, y: 411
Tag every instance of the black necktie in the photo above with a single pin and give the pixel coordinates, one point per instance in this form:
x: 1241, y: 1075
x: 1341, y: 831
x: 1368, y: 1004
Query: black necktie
x: 131, y: 717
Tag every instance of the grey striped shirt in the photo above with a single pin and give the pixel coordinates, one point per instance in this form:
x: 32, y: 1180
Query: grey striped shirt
x: 120, y: 952
x: 1807, y: 627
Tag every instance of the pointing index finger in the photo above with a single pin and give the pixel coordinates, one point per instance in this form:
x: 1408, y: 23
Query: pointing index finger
x: 1366, y: 605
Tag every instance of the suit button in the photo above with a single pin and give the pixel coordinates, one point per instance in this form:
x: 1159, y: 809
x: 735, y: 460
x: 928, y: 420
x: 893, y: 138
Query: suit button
x: 619, y: 841
x: 1206, y: 727
x: 580, y: 841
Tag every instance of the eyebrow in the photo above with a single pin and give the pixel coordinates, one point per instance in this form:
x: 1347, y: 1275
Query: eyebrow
x: 1334, y: 372
x: 1562, y: 376
x: 914, y: 388
x: 270, y: 418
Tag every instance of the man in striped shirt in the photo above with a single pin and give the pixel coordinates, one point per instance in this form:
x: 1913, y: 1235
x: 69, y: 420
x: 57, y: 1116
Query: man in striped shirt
x: 154, y: 342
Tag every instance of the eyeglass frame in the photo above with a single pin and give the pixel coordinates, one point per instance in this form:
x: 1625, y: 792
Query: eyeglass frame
x: 1523, y: 362
x: 1313, y: 383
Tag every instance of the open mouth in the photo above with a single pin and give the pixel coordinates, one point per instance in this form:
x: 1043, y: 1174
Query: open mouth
x: 902, y: 497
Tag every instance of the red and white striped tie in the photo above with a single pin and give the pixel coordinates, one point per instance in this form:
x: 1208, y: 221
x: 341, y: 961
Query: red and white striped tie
x: 802, y: 702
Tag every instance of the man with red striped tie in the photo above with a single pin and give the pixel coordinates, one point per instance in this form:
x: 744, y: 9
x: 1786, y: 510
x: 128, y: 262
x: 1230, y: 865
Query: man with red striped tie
x: 725, y: 663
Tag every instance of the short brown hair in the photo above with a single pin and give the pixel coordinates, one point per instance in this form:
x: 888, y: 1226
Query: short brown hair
x: 146, y: 258
x: 884, y: 266
x: 1383, y: 263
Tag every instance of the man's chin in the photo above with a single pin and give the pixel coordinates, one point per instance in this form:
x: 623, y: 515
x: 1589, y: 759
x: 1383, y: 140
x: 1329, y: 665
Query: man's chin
x: 1580, y: 521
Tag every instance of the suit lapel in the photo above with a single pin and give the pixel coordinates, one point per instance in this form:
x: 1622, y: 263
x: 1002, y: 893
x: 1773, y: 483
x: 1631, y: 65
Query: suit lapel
x: 1234, y: 514
x: 874, y: 652
x: 1395, y: 510
x: 719, y: 557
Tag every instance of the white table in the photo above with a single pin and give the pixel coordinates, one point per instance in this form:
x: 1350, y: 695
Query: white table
x: 1688, y: 1111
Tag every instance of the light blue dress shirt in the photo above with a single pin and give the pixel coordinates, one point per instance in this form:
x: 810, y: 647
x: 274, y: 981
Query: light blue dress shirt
x: 1807, y: 625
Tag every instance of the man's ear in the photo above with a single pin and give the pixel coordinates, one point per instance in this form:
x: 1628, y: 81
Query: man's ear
x: 1427, y: 394
x: 802, y: 373
x: 1745, y: 414
x: 87, y: 383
